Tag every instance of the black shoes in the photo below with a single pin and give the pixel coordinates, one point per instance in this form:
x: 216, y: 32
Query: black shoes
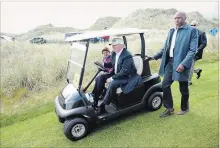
x: 101, y: 109
x: 181, y: 112
x: 190, y: 83
x: 199, y: 73
x: 167, y: 112
x: 95, y: 104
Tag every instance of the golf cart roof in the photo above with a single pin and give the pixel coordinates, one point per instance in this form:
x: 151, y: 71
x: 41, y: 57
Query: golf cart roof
x: 109, y: 32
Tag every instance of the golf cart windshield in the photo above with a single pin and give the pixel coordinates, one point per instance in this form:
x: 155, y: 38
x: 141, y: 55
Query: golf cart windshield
x: 75, y: 63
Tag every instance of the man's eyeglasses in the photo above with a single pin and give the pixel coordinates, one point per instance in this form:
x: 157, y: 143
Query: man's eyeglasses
x: 193, y: 25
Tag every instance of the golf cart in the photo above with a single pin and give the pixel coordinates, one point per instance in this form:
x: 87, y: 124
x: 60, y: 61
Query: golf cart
x: 75, y: 106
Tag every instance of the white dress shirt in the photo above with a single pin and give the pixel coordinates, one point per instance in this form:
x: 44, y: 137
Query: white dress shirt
x: 173, y: 42
x: 116, y: 60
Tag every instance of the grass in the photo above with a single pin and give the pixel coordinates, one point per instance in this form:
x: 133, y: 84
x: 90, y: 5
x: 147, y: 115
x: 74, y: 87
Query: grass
x: 30, y: 66
x: 199, y: 128
x: 37, y: 105
x: 32, y: 75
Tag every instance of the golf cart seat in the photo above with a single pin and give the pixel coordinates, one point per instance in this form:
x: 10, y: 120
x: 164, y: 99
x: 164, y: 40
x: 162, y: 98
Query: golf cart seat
x: 138, y: 62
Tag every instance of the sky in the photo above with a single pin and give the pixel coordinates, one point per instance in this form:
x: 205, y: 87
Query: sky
x: 19, y: 17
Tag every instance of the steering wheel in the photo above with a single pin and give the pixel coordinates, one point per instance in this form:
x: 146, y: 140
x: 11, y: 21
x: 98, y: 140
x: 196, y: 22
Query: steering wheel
x: 100, y: 66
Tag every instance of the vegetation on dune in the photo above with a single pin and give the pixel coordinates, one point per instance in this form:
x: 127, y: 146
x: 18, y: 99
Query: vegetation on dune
x: 42, y: 30
x: 103, y: 22
x: 160, y: 19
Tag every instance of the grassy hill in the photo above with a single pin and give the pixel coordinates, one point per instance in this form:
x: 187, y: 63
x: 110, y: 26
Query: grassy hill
x: 103, y: 22
x: 46, y: 30
x: 9, y: 34
x: 142, y: 18
x: 159, y: 19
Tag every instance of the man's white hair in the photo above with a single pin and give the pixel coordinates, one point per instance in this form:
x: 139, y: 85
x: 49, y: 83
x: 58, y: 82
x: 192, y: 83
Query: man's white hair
x: 194, y: 22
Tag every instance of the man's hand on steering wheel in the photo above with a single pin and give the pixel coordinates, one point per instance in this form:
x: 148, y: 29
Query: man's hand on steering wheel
x: 100, y: 67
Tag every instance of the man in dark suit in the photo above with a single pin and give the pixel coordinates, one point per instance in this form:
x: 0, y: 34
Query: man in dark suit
x: 202, y: 42
x: 125, y: 73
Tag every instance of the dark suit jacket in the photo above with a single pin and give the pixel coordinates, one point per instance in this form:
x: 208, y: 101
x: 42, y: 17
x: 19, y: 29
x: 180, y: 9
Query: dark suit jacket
x: 126, y: 70
x: 202, y: 42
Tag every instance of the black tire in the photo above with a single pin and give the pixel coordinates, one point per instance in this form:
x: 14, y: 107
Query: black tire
x: 61, y: 120
x: 155, y: 101
x: 77, y: 123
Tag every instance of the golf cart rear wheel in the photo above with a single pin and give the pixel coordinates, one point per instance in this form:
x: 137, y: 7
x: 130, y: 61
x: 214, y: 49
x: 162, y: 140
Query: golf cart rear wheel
x: 76, y: 128
x: 155, y: 101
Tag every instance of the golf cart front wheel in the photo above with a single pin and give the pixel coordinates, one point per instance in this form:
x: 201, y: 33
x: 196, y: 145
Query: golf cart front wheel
x: 155, y: 101
x: 76, y: 128
x: 61, y: 120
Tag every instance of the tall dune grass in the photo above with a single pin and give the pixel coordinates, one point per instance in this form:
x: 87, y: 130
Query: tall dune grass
x: 41, y: 69
x: 35, y: 67
x: 30, y: 66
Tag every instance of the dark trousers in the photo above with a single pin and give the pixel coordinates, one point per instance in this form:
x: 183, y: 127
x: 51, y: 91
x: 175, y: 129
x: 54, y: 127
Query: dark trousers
x: 111, y: 91
x: 100, y: 84
x: 166, y: 85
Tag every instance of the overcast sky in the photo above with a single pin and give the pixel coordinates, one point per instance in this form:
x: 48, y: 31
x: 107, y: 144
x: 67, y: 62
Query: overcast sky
x: 19, y: 17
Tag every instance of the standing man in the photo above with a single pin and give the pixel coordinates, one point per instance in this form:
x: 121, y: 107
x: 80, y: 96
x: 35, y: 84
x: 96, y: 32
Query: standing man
x: 202, y: 42
x: 177, y: 57
x: 125, y: 73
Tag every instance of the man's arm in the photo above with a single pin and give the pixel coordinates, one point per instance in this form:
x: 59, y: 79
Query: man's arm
x: 126, y: 68
x: 160, y: 53
x: 203, y: 41
x: 192, y: 49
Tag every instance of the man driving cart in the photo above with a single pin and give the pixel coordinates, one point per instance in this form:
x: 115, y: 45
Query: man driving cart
x: 124, y: 74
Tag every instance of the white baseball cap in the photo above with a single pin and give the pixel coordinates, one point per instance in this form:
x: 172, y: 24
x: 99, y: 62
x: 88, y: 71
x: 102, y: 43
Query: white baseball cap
x: 116, y: 41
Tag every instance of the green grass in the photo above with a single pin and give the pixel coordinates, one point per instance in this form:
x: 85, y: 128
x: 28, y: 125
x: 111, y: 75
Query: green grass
x: 199, y: 128
x: 33, y: 105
